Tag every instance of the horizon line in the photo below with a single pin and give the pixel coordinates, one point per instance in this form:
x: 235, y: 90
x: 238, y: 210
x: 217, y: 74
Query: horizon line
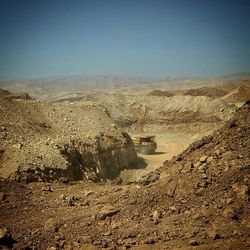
x: 166, y: 77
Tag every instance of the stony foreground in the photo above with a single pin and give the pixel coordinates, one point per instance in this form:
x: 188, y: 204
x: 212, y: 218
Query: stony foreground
x: 198, y: 200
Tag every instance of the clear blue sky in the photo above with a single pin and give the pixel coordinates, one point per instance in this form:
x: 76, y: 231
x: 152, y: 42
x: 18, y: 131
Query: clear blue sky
x: 40, y: 38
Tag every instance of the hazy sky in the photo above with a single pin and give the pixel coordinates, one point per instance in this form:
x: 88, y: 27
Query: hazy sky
x: 40, y: 38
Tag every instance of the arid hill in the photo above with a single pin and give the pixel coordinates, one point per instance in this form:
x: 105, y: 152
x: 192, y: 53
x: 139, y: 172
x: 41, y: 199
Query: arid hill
x: 240, y: 94
x: 197, y: 200
x: 58, y: 87
x: 158, y: 92
x: 60, y: 161
x: 8, y: 94
x: 205, y: 91
x: 47, y: 141
x: 148, y: 113
x: 207, y: 186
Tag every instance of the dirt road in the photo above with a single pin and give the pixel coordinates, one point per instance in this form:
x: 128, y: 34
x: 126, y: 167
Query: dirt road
x: 168, y: 145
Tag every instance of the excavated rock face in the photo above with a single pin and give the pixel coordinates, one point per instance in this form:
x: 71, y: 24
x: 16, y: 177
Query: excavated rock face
x: 102, y: 160
x: 48, y: 141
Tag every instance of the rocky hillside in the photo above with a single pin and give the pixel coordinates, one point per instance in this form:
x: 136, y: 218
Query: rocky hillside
x: 240, y: 94
x: 197, y: 200
x: 202, y: 91
x: 8, y: 94
x: 158, y: 92
x: 206, y: 189
x: 205, y: 91
x: 46, y: 141
x: 144, y: 112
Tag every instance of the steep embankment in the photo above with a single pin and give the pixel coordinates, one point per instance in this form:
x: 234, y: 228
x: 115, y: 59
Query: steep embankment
x: 206, y: 189
x: 46, y: 141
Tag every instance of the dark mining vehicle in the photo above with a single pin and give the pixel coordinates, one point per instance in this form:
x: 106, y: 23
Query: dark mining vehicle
x: 145, y: 144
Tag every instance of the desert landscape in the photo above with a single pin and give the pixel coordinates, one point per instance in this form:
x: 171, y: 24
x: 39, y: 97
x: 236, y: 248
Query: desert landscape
x: 124, y: 125
x: 71, y: 177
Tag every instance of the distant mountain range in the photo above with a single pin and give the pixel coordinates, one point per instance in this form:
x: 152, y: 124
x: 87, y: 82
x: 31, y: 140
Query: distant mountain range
x: 53, y: 87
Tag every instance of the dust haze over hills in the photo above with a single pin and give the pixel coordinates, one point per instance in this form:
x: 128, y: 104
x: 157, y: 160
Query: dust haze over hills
x: 56, y: 87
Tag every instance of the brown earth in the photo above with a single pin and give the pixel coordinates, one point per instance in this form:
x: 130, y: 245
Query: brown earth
x: 8, y: 94
x: 232, y: 91
x: 158, y: 92
x: 240, y: 94
x: 76, y: 87
x: 197, y: 200
x: 47, y: 141
x: 205, y: 91
x: 138, y: 113
x: 202, y: 91
x: 231, y: 85
x: 169, y: 144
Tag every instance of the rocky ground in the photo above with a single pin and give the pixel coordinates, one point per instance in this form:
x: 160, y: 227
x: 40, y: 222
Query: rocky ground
x: 10, y: 95
x: 197, y: 200
x: 144, y: 113
x: 48, y: 141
